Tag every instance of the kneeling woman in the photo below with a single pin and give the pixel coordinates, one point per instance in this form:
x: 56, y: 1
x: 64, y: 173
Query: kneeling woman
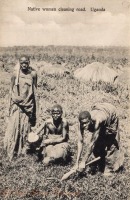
x: 56, y: 130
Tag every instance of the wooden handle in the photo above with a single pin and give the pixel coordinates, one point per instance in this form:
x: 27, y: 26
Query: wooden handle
x: 73, y: 170
x: 92, y: 161
x: 17, y: 80
x: 17, y: 76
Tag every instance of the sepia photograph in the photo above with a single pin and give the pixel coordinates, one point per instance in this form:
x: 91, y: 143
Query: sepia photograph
x: 64, y: 99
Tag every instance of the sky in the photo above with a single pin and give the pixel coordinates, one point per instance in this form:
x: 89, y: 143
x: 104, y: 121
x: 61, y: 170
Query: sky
x: 20, y: 27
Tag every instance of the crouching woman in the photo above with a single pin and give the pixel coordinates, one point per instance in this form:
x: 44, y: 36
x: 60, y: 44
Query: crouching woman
x: 55, y: 132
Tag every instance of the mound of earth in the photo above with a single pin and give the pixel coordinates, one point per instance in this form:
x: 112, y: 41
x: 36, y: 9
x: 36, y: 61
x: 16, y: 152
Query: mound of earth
x: 124, y: 77
x: 96, y: 72
x: 54, y: 69
x: 48, y: 68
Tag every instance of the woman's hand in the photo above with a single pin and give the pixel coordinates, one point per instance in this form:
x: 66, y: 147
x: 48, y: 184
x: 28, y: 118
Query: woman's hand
x: 17, y: 99
x: 81, y: 166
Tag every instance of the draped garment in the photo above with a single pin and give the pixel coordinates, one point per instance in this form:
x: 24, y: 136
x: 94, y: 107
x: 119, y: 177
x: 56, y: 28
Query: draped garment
x: 22, y: 116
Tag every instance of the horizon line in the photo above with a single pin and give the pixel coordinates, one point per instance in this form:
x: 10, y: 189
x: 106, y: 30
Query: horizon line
x: 66, y: 46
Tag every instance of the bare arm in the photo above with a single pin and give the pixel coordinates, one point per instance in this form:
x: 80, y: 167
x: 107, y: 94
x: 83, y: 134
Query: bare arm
x: 35, y: 79
x: 34, y: 74
x: 92, y: 142
x: 40, y: 128
x: 80, y: 146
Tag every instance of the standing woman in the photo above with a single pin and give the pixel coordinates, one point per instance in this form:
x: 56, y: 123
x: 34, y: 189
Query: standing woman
x: 22, y: 110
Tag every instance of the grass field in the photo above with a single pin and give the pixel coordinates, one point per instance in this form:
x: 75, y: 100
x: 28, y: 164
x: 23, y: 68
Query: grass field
x: 26, y: 178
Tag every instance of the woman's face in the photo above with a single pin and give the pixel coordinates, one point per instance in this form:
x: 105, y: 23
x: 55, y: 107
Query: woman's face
x: 56, y: 114
x: 24, y: 63
x: 85, y: 123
